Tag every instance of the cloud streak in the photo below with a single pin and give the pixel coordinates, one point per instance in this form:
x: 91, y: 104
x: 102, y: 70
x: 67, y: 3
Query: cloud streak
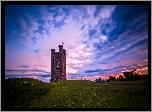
x: 24, y: 66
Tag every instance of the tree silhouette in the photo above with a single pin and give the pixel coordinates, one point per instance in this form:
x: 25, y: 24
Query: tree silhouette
x: 132, y: 75
x: 103, y: 80
x: 111, y: 78
x: 121, y: 78
x: 98, y: 80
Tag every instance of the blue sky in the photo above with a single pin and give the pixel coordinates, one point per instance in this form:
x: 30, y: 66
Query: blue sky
x: 100, y: 40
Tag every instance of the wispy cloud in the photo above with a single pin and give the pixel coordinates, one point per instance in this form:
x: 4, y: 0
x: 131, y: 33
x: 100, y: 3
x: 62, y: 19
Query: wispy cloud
x: 28, y: 27
x: 32, y: 70
x: 37, y: 50
x: 24, y: 66
x: 91, y: 71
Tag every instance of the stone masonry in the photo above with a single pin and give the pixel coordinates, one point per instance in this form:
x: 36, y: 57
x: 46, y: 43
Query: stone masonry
x: 58, y: 64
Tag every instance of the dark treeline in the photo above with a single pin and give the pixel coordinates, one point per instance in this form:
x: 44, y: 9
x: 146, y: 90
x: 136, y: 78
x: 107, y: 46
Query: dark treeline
x: 127, y: 76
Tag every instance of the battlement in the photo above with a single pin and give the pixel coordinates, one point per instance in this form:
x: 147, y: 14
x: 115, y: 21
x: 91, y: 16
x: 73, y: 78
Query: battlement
x: 52, y: 50
x: 60, y: 46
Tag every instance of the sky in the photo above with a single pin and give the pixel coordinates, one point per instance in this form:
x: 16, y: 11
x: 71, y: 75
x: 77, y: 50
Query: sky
x: 100, y: 41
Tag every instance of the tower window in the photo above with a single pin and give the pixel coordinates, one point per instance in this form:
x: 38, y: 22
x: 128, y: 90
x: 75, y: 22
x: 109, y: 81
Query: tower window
x: 58, y: 64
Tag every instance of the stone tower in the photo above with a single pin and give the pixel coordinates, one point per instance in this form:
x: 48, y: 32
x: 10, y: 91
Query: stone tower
x: 58, y: 64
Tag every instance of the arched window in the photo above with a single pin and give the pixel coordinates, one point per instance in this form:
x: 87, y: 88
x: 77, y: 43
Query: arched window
x: 58, y: 64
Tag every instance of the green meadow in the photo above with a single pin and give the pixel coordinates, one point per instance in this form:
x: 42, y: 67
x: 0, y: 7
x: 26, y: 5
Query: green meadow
x: 30, y: 93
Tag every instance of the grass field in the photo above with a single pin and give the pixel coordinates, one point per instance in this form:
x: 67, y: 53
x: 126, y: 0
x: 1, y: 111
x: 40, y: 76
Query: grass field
x: 30, y: 93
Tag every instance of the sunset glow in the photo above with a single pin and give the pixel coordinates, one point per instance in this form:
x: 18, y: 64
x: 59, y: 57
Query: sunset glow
x: 99, y: 40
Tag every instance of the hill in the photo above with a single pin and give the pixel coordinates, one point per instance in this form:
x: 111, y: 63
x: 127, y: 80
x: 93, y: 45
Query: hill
x: 19, y: 92
x: 30, y: 93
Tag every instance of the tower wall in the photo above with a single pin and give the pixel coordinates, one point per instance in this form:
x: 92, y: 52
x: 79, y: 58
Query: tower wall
x: 64, y: 63
x: 52, y: 63
x: 58, y: 64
